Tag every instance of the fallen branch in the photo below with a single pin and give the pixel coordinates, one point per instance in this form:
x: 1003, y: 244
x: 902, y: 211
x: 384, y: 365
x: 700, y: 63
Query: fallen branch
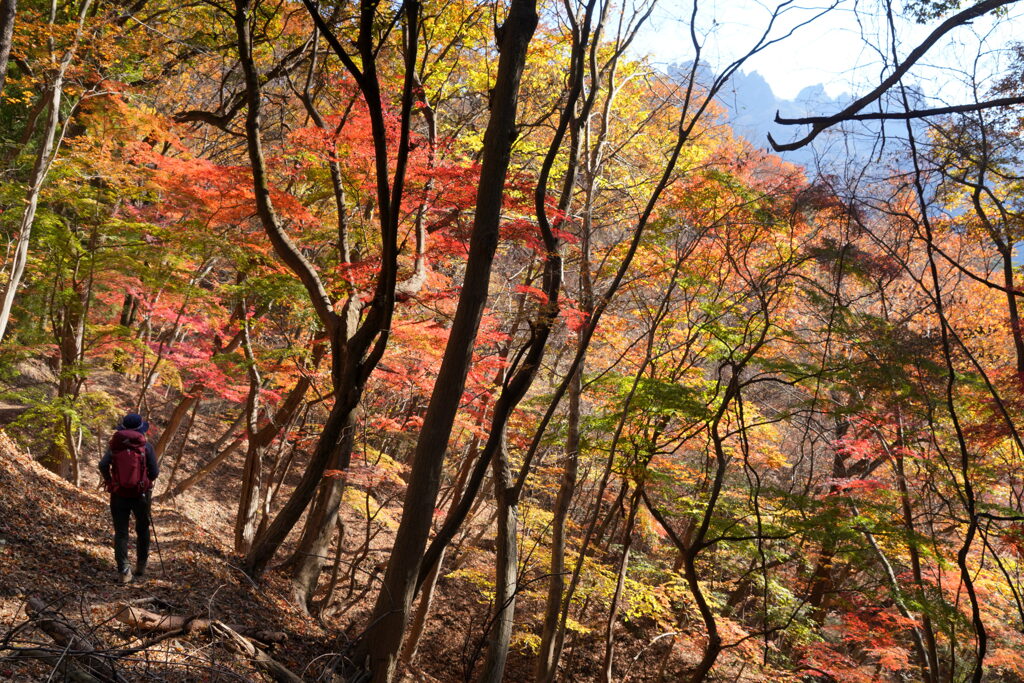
x: 87, y: 662
x: 214, y: 462
x: 58, y: 660
x: 247, y: 648
x: 144, y: 620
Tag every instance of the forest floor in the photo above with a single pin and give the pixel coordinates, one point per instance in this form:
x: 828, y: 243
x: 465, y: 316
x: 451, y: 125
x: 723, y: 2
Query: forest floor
x: 56, y: 547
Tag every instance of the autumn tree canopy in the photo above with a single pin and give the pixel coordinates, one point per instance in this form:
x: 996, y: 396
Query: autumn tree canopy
x: 486, y: 346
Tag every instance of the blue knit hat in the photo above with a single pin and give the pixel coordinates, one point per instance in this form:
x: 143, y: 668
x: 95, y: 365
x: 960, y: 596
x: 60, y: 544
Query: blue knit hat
x: 134, y: 422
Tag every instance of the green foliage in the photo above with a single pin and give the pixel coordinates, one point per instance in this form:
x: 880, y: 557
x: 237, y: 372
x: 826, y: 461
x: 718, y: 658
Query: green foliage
x: 927, y: 10
x: 49, y: 422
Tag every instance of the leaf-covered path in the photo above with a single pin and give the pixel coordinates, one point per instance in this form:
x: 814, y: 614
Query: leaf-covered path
x: 55, y: 545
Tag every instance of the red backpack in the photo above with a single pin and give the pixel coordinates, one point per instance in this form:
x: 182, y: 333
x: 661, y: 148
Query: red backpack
x: 129, y: 477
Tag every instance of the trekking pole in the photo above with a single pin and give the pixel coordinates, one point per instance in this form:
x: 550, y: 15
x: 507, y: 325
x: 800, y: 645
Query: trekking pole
x: 156, y: 539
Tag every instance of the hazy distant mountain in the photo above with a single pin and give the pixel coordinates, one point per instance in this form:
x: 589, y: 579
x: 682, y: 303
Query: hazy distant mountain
x: 751, y: 105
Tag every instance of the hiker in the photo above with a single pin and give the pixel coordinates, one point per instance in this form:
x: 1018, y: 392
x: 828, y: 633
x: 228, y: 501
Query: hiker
x: 129, y: 468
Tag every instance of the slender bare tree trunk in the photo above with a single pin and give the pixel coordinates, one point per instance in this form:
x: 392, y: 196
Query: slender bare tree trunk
x: 1011, y: 305
x: 248, y: 523
x: 184, y: 444
x: 45, y: 156
x: 506, y: 571
x: 920, y: 648
x: 613, y: 612
x: 419, y: 619
x: 247, y: 516
x: 927, y: 627
x: 546, y: 662
x: 202, y: 472
x: 178, y: 415
x: 588, y: 534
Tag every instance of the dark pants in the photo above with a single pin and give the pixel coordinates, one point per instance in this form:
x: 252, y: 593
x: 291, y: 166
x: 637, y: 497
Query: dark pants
x: 121, y: 509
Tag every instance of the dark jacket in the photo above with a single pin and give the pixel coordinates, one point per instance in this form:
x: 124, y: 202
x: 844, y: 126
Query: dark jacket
x: 152, y: 467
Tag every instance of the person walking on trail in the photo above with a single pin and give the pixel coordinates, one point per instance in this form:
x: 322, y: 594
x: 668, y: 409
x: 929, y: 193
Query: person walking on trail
x: 129, y: 468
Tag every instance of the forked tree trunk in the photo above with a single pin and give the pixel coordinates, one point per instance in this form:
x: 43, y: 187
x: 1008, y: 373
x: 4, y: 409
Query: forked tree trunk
x: 265, y: 546
x: 307, y: 562
x: 310, y: 556
x: 353, y: 357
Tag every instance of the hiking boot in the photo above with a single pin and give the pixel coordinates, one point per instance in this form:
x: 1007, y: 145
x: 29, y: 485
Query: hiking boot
x: 140, y: 571
x: 125, y: 576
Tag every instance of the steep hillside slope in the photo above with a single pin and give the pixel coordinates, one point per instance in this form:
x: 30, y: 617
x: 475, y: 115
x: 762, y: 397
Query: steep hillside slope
x: 55, y: 547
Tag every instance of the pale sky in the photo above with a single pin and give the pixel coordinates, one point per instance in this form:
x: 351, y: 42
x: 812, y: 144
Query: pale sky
x: 830, y: 51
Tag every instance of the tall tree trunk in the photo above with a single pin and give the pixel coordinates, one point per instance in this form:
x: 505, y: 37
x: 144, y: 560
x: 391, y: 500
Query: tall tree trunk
x: 308, y: 559
x: 1014, y: 312
x: 613, y: 611
x: 429, y: 584
x: 44, y: 157
x: 383, y: 639
x: 589, y: 533
x: 178, y: 415
x: 915, y: 564
x: 546, y: 661
x: 252, y: 473
x: 353, y: 357
x: 72, y: 338
x: 69, y: 328
x: 128, y: 310
x: 8, y: 11
x: 506, y: 569
x: 311, y: 554
x: 713, y: 645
